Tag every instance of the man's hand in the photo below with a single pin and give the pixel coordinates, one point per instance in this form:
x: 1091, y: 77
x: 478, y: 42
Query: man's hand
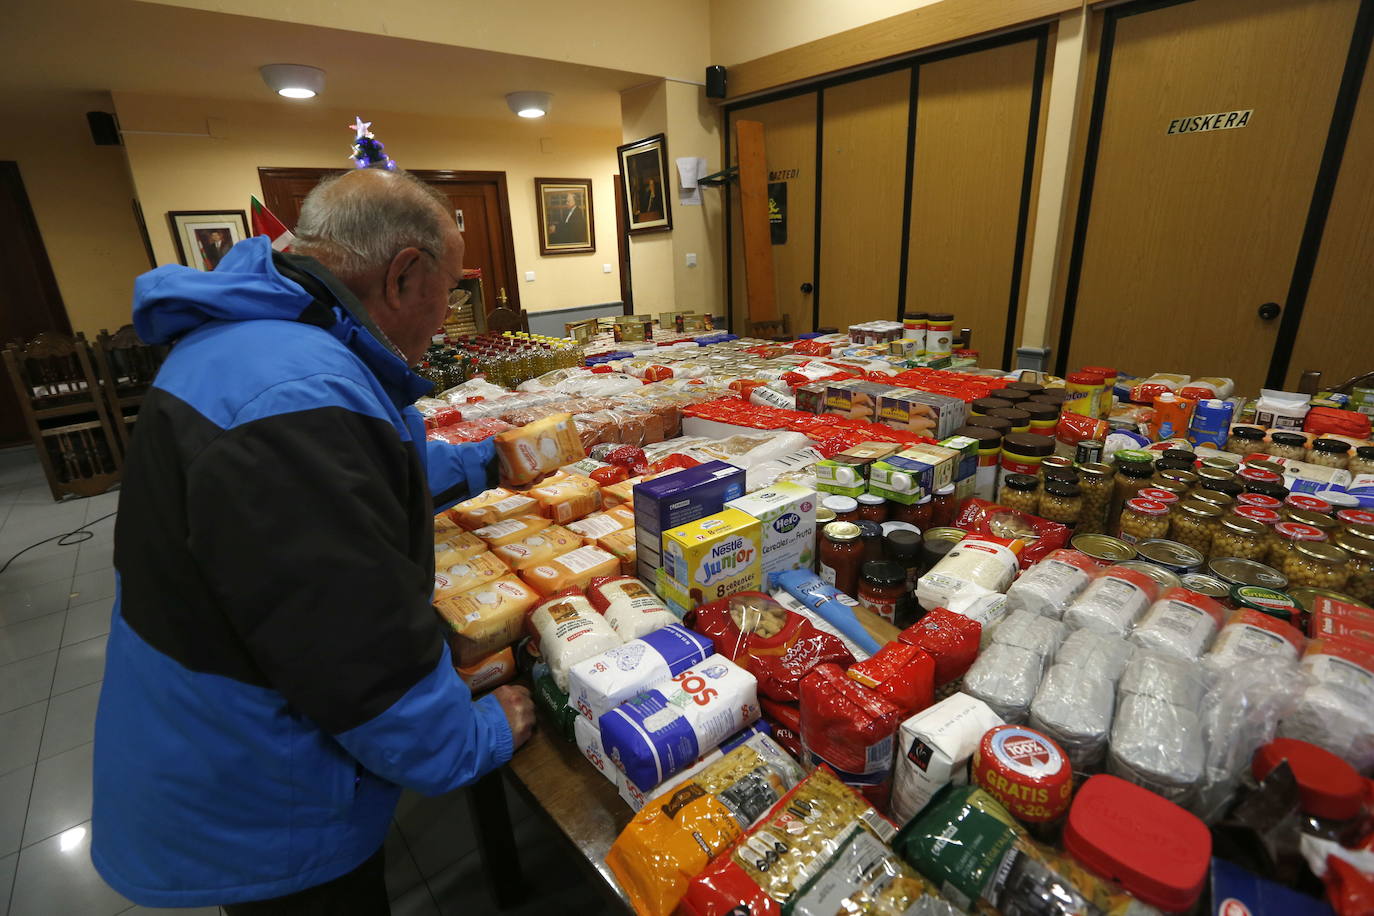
x: 519, y: 709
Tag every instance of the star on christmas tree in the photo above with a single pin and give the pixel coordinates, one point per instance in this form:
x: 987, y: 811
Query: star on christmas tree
x: 368, y: 151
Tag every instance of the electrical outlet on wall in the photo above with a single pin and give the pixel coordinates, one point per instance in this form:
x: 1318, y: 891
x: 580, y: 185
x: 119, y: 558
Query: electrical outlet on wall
x: 529, y: 276
x: 691, y: 259
x: 605, y: 268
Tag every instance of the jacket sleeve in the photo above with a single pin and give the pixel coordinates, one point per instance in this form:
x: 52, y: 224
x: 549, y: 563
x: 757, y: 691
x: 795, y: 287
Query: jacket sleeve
x: 302, y: 519
x: 458, y: 471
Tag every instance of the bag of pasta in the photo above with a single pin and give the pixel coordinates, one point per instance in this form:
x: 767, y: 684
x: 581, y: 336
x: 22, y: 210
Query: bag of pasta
x: 981, y: 518
x: 674, y: 836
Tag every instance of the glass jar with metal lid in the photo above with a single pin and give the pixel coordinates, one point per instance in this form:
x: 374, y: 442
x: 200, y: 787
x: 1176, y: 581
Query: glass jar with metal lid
x: 1142, y: 519
x: 1239, y: 571
x: 1187, y: 478
x: 1362, y: 462
x: 1165, y: 578
x: 1019, y: 419
x: 1356, y: 518
x: 1030, y: 388
x: 1317, y: 564
x: 1103, y: 548
x: 1042, y: 416
x: 997, y: 424
x: 1192, y: 522
x: 872, y: 507
x: 1325, y: 523
x: 1263, y: 464
x: 1310, y: 503
x: 1261, y: 480
x: 1160, y: 495
x: 1181, y: 454
x: 1329, y: 453
x: 841, y: 556
x: 1061, y: 501
x: 1266, y: 517
x: 1134, y: 468
x: 1237, y: 536
x: 1260, y: 500
x: 1021, y: 492
x: 846, y: 508
x: 1231, y: 488
x: 1205, y: 584
x: 1288, y: 535
x: 1173, y: 556
x: 1053, y: 462
x: 1360, y: 584
x: 1095, y: 481
x: 1014, y: 395
x: 1175, y: 487
x: 937, y: 542
x: 1287, y: 445
x: 1174, y: 464
x: 1220, y: 463
x: 1242, y: 440
x: 1220, y: 500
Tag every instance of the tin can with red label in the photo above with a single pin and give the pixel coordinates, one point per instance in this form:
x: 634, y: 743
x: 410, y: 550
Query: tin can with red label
x: 1026, y: 771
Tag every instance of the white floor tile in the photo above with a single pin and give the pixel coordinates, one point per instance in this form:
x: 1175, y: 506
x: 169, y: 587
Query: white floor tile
x: 34, y: 569
x: 415, y: 902
x: 402, y: 874
x: 70, y: 720
x: 21, y: 733
x: 31, y: 637
x: 14, y: 804
x: 7, y: 866
x: 104, y: 504
x: 35, y: 601
x: 61, y: 794
x: 39, y: 522
x: 56, y: 876
x: 173, y: 911
x: 27, y: 681
x: 92, y: 586
x: 87, y: 621
x: 80, y: 664
x: 93, y: 555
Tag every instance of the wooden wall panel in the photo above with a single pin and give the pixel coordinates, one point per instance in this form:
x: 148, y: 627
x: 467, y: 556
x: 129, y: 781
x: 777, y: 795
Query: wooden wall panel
x: 862, y: 187
x: 972, y: 115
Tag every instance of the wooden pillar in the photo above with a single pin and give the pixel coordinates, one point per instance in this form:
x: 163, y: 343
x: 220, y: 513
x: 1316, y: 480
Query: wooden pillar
x: 758, y: 244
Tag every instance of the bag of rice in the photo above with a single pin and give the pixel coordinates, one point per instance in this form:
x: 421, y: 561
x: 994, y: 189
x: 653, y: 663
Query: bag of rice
x: 664, y: 729
x: 588, y: 738
x: 936, y: 745
x: 630, y: 608
x: 598, y: 684
x: 569, y: 630
x: 1099, y: 654
x: 1333, y: 710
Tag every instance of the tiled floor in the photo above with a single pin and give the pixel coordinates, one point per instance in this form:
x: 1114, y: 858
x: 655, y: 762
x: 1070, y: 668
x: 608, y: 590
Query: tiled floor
x: 54, y: 618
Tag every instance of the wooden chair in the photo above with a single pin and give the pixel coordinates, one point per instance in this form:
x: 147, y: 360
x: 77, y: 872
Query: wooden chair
x: 772, y: 329
x: 126, y: 366
x: 66, y: 414
x: 504, y: 319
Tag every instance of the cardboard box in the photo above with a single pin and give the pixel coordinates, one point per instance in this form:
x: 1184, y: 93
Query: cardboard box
x: 811, y: 398
x: 966, y: 468
x: 714, y: 557
x: 787, y: 515
x: 913, y: 473
x: 840, y: 477
x: 922, y: 412
x: 675, y: 499
x: 855, y: 399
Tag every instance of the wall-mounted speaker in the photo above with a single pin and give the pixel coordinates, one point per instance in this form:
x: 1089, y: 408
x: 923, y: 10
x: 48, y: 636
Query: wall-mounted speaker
x: 104, y: 128
x: 715, y: 82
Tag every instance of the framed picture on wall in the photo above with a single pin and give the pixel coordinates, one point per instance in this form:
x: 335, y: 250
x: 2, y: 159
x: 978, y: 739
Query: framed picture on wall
x: 204, y: 237
x: 565, y: 215
x: 644, y: 165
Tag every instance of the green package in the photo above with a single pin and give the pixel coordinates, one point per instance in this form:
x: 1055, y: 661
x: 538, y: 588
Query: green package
x: 554, y: 702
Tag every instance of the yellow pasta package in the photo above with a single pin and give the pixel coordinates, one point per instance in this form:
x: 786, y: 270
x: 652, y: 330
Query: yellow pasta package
x: 567, y: 498
x: 467, y: 574
x: 486, y: 619
x: 539, y: 547
x: 537, y: 448
x: 495, y: 505
x: 456, y: 545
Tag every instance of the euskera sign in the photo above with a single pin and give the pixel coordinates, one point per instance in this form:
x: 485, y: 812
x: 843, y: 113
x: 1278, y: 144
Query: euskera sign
x: 1222, y: 120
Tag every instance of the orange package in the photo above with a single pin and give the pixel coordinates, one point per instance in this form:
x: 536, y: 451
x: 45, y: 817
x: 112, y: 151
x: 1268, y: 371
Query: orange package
x: 574, y: 569
x: 512, y: 530
x: 495, y: 505
x: 537, y: 448
x: 621, y: 545
x: 456, y: 545
x: 486, y: 619
x: 489, y: 672
x: 464, y: 575
x: 537, y: 548
x: 567, y: 498
x: 599, y: 524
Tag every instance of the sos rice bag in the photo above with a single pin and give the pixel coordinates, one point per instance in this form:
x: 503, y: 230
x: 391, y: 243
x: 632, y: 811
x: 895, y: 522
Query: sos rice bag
x: 637, y: 798
x: 662, y: 730
x: 569, y: 630
x: 495, y: 505
x: 511, y: 530
x: 456, y: 545
x: 567, y: 498
x: 486, y: 618
x: 630, y: 608
x: 851, y: 729
x: 588, y: 740
x: 537, y: 448
x: 465, y: 575
x: 674, y: 836
x: 602, y: 682
x: 760, y: 636
x: 539, y: 547
x: 574, y: 569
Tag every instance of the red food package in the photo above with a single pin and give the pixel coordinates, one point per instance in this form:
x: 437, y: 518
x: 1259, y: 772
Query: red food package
x: 1074, y: 428
x: 984, y: 519
x: 609, y: 475
x: 675, y: 461
x: 950, y: 639
x: 761, y: 636
x: 785, y: 720
x: 657, y: 373
x: 444, y: 416
x: 903, y: 673
x: 626, y: 456
x: 469, y: 430
x: 851, y: 729
x: 811, y: 348
x: 1349, y: 890
x: 1320, y: 420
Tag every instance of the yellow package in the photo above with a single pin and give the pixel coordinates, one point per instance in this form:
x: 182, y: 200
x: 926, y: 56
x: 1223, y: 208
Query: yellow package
x: 486, y: 619
x: 574, y: 569
x: 492, y: 671
x: 714, y: 557
x: 620, y: 494
x: 494, y: 505
x: 465, y: 575
x: 445, y: 524
x: 567, y: 498
x: 599, y: 524
x: 455, y: 546
x: 540, y: 547
x: 621, y: 545
x: 537, y: 448
x: 512, y: 530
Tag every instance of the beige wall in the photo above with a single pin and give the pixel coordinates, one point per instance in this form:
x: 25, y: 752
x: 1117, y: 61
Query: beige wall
x: 745, y: 29
x: 82, y: 199
x: 191, y: 173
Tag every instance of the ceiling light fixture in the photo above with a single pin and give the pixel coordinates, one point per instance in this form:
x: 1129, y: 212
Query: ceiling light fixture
x: 530, y: 104
x: 294, y: 81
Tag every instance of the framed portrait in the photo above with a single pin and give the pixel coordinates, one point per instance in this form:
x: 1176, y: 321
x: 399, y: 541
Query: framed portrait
x: 644, y: 167
x: 204, y: 237
x: 565, y: 215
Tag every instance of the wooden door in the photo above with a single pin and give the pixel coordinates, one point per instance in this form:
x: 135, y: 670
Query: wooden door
x: 30, y: 302
x: 1184, y: 233
x: 863, y: 165
x: 480, y: 196
x: 977, y: 131
x: 789, y: 145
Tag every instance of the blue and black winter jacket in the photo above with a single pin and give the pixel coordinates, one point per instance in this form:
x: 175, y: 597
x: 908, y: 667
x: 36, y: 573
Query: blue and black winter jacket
x: 275, y: 673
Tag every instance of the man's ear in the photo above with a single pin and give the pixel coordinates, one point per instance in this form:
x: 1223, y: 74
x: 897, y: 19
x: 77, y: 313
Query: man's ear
x: 401, y: 276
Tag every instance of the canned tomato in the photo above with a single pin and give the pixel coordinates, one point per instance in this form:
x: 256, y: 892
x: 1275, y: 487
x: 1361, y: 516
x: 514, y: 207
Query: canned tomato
x: 1089, y: 451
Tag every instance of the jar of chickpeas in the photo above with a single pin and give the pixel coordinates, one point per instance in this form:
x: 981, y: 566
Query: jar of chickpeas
x: 1329, y: 453
x: 1362, y: 462
x: 1260, y: 500
x: 1061, y: 501
x: 1134, y: 468
x: 1243, y: 440
x: 1237, y: 536
x: 1188, y: 478
x: 1360, y: 584
x: 1175, y: 487
x: 1287, y: 535
x: 1159, y: 495
x: 1143, y: 519
x: 1193, y: 522
x: 1096, y: 485
x: 1324, y: 523
x: 1317, y: 564
x: 1221, y: 500
x: 1309, y: 502
x: 1266, y: 517
x: 1287, y: 445
x: 1021, y: 492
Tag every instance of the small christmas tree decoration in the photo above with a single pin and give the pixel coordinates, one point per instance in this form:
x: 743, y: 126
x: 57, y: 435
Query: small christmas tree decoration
x: 368, y: 151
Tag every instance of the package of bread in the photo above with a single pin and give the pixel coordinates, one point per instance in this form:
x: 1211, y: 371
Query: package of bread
x: 494, y: 505
x: 630, y: 608
x: 512, y: 530
x: 569, y: 630
x: 538, y: 448
x: 540, y: 547
x: 466, y: 575
x: 567, y: 498
x: 599, y: 524
x: 621, y: 545
x: 486, y: 619
x: 455, y: 546
x: 574, y: 569
x: 492, y: 671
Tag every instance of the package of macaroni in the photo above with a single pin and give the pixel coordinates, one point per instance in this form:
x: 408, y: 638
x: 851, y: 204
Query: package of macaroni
x: 981, y: 518
x: 775, y: 645
x: 776, y: 859
x: 676, y: 834
x: 850, y: 728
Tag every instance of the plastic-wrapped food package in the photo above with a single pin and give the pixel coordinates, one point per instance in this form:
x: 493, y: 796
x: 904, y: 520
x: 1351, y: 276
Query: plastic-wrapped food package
x: 539, y: 547
x: 865, y: 877
x: 1006, y: 678
x: 850, y: 728
x: 986, y: 607
x: 934, y: 749
x: 1164, y: 677
x: 637, y: 798
x: 472, y: 388
x: 1248, y: 635
x: 487, y: 619
x: 1048, y: 587
x: 676, y: 835
x: 782, y: 597
x: 981, y: 518
x: 1102, y: 655
x: 567, y: 498
x: 949, y: 638
x: 666, y: 728
x: 602, y: 682
x: 1074, y: 707
x: 464, y: 575
x: 474, y: 430
x: 902, y: 673
x: 1113, y: 602
x: 630, y: 608
x: 1333, y: 710
x: 1027, y: 630
x: 456, y: 545
x: 511, y: 530
x: 569, y: 630
x: 574, y: 569
x: 491, y: 506
x: 985, y: 563
x: 1157, y: 746
x: 1181, y: 623
x: 538, y: 448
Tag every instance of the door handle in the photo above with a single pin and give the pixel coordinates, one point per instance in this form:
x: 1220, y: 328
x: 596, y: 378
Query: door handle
x: 1269, y: 311
x: 502, y: 297
x: 807, y: 287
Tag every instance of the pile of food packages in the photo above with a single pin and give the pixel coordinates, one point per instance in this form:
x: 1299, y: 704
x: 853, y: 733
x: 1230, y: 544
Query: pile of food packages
x: 855, y: 635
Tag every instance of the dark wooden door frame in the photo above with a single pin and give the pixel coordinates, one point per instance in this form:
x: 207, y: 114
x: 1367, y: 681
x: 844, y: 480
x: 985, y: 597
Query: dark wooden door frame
x: 622, y: 247
x: 435, y: 175
x: 42, y: 266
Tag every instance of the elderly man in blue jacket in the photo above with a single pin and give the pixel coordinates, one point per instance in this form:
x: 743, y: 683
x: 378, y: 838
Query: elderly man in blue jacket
x: 275, y: 673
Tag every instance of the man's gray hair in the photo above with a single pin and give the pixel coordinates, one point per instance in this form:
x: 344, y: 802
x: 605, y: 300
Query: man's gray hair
x: 356, y: 222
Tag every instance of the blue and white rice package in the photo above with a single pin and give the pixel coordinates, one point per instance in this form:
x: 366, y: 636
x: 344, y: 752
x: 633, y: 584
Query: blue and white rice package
x: 588, y: 738
x: 599, y: 684
x: 758, y: 736
x: 663, y: 730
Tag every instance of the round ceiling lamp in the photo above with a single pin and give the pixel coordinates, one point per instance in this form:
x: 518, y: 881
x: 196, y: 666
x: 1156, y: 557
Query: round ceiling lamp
x: 294, y: 81
x: 530, y: 104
